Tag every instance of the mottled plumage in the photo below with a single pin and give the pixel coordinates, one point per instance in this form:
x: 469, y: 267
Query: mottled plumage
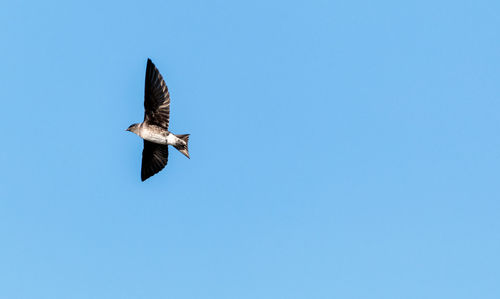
x: 154, y: 128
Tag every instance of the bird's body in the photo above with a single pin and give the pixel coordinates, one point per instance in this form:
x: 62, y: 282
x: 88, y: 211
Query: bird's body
x: 158, y: 135
x: 154, y: 128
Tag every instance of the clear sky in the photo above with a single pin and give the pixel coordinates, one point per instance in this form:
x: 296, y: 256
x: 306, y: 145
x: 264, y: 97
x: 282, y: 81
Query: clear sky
x: 339, y: 149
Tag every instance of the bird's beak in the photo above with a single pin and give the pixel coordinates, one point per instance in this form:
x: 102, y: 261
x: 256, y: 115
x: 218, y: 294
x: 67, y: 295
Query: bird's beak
x: 127, y: 129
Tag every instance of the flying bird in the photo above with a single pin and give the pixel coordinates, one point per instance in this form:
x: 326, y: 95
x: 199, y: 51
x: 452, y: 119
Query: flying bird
x: 154, y: 128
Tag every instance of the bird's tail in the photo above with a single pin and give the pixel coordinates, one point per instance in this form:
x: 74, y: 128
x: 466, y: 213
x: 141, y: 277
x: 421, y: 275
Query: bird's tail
x: 183, y: 147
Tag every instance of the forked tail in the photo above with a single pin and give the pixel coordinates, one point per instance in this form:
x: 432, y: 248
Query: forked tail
x: 183, y: 146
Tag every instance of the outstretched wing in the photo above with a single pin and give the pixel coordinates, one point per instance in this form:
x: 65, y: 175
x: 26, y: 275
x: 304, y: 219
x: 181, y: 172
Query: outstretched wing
x: 156, y: 98
x: 154, y: 159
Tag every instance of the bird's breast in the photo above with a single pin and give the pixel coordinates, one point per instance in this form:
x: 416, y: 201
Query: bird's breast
x: 155, y: 136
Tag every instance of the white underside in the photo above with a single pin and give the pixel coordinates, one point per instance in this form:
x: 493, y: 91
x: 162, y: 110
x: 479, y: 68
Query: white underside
x: 170, y: 139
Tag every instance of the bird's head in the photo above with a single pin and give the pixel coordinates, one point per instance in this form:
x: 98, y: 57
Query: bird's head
x: 133, y: 128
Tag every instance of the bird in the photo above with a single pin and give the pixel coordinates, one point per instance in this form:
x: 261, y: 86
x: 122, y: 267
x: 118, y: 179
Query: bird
x: 154, y: 129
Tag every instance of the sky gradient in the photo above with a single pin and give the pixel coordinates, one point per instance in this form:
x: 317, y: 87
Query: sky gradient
x: 339, y: 149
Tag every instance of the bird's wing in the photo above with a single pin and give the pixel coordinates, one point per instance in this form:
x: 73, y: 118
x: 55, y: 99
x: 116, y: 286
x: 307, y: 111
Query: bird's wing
x: 156, y: 98
x: 154, y: 159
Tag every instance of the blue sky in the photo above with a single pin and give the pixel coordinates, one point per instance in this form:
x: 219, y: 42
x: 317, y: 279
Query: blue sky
x: 339, y: 149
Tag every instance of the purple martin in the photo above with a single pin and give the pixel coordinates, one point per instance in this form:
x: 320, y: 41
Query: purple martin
x: 154, y: 128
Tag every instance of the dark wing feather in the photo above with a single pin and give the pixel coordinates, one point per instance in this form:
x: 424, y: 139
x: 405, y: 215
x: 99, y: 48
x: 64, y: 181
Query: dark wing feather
x: 154, y: 159
x: 156, y: 98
